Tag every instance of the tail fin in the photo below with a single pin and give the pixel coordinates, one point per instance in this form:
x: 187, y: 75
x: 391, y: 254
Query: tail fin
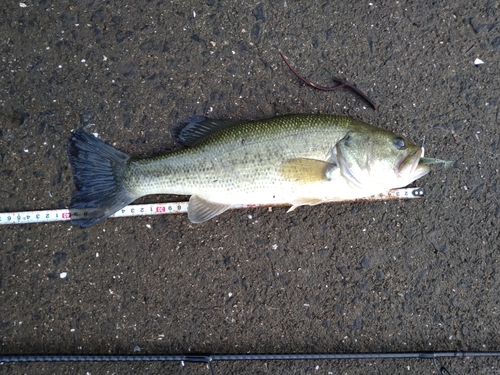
x: 98, y: 170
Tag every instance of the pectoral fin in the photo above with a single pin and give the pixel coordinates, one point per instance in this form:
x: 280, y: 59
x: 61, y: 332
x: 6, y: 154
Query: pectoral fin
x: 200, y: 210
x: 307, y: 170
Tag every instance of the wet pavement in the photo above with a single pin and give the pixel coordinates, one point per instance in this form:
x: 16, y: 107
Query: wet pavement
x: 413, y: 275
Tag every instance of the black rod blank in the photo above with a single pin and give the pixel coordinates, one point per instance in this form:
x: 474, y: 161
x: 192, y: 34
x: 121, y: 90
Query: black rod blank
x: 238, y: 357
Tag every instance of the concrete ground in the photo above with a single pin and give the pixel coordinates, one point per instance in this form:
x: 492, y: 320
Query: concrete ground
x: 355, y: 277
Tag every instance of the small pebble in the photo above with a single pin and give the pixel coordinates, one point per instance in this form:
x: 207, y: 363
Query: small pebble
x: 478, y: 62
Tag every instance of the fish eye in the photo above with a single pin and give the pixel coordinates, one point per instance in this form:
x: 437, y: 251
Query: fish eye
x: 399, y: 142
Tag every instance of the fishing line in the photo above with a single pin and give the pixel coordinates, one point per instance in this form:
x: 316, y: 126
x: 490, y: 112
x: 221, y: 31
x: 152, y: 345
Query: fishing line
x: 45, y: 216
x: 245, y: 357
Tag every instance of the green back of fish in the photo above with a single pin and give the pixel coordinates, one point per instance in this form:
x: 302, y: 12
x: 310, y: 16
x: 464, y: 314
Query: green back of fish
x: 245, y: 156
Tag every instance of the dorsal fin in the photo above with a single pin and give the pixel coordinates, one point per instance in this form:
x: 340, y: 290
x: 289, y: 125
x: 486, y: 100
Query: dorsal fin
x: 192, y: 130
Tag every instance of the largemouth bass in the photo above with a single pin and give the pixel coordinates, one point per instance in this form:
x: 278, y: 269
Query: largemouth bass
x: 293, y: 160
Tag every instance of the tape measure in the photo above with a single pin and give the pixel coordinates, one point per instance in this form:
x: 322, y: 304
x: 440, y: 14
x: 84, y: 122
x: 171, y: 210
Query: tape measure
x: 46, y: 216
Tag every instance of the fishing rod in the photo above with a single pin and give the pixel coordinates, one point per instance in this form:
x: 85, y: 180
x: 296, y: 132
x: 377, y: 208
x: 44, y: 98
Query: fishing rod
x: 45, y: 216
x: 209, y: 359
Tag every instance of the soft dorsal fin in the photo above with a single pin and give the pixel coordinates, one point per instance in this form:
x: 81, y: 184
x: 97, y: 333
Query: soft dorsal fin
x: 194, y: 129
x: 200, y: 210
x: 307, y: 170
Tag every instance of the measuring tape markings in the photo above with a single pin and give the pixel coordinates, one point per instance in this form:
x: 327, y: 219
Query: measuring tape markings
x: 46, y: 216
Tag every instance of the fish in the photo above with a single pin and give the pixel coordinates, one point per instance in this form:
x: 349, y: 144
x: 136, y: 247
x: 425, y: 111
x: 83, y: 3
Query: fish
x: 290, y: 160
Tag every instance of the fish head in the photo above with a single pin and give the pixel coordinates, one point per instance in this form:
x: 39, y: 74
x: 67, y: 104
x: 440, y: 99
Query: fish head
x: 376, y: 160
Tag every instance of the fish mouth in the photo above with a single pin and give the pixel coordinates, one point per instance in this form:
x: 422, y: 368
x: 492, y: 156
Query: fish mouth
x: 410, y: 165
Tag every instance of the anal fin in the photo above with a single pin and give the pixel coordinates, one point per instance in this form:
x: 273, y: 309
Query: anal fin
x: 200, y: 209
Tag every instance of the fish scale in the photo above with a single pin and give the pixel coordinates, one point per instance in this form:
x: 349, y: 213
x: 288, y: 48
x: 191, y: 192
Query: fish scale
x: 245, y: 158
